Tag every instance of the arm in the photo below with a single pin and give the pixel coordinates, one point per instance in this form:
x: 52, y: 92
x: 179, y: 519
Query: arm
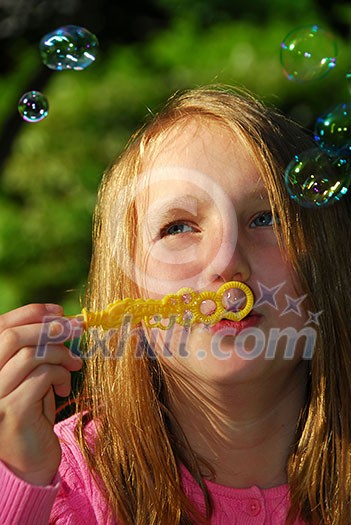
x: 71, y: 499
x: 22, y: 503
x: 30, y: 452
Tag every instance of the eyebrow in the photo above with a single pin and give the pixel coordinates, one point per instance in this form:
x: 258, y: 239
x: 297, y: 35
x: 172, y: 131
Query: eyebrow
x: 257, y: 194
x: 188, y: 203
x: 166, y: 210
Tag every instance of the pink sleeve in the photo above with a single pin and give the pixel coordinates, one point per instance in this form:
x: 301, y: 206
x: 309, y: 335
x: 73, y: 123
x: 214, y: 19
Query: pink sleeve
x: 72, y: 499
x: 22, y: 503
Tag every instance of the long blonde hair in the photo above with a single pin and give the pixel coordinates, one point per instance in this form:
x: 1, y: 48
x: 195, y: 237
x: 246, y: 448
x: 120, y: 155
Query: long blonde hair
x: 136, y: 452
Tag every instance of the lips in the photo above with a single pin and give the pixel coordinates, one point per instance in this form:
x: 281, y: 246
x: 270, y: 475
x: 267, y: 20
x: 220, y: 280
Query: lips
x: 250, y: 321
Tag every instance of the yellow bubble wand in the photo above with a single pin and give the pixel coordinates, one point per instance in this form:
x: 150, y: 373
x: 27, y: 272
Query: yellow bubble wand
x: 186, y: 307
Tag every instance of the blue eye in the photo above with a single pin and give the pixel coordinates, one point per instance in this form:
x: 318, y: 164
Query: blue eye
x: 264, y: 219
x: 176, y: 228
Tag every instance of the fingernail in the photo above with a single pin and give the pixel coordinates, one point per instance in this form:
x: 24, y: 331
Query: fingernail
x: 53, y: 308
x: 60, y: 328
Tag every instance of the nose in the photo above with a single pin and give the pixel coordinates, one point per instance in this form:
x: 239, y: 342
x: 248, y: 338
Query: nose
x: 229, y: 264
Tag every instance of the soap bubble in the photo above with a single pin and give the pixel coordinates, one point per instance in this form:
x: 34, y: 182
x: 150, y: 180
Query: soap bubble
x: 332, y: 130
x: 314, y: 178
x: 33, y: 106
x: 69, y: 47
x: 308, y: 53
x: 234, y: 299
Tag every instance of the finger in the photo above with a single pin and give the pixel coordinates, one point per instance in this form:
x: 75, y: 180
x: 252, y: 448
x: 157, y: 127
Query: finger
x: 26, y: 360
x: 25, y: 403
x: 31, y: 313
x: 40, y: 336
x: 60, y: 378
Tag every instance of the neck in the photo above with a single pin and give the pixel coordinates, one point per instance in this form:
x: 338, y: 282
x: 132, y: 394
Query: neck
x: 244, y: 432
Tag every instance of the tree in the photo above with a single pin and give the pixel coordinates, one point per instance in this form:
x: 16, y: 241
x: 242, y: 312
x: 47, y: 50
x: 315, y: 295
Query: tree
x: 51, y: 170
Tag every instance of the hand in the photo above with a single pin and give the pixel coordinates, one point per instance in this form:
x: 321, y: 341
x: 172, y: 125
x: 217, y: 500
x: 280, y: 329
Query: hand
x: 30, y: 373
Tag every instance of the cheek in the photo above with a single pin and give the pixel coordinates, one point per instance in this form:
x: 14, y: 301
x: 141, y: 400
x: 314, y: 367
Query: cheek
x: 276, y: 281
x: 271, y: 269
x: 176, y: 263
x: 178, y: 256
x: 285, y: 304
x: 158, y: 278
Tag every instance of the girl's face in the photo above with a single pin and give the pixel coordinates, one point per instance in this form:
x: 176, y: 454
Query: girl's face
x: 205, y: 219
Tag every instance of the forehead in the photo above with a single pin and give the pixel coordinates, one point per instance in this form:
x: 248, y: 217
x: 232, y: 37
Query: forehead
x: 199, y: 157
x: 193, y: 142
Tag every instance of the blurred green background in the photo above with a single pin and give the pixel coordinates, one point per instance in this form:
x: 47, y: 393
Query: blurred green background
x: 50, y: 171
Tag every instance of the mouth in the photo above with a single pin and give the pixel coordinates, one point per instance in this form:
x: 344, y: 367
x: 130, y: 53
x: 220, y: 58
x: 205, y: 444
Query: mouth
x: 235, y: 327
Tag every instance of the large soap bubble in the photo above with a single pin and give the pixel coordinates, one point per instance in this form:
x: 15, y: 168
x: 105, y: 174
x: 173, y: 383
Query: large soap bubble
x: 308, y: 53
x: 69, y: 47
x: 332, y: 130
x: 314, y: 179
x: 33, y: 106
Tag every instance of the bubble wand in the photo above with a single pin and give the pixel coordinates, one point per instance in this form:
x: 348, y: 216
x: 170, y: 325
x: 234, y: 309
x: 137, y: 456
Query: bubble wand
x: 186, y: 307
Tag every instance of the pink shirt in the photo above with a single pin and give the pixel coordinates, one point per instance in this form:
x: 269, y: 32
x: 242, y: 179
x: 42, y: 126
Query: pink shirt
x: 73, y: 499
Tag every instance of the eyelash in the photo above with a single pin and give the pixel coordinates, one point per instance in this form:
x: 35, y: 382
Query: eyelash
x: 272, y: 221
x: 165, y: 229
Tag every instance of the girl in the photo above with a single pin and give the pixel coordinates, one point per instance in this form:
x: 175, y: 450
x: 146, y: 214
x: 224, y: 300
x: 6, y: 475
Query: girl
x: 238, y: 422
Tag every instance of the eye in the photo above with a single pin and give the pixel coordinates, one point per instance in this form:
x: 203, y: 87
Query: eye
x: 264, y: 219
x: 176, y: 228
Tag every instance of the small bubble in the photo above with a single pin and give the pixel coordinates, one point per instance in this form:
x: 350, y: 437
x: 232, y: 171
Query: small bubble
x: 69, y: 47
x: 187, y: 316
x: 187, y: 298
x: 234, y: 299
x: 314, y: 179
x: 308, y: 53
x: 33, y: 106
x: 332, y: 130
x: 208, y: 307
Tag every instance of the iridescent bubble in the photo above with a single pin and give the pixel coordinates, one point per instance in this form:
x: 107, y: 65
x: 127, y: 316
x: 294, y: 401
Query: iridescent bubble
x: 234, y: 299
x: 33, y: 106
x: 69, y: 47
x: 332, y: 130
x: 308, y: 53
x: 208, y: 307
x: 314, y: 179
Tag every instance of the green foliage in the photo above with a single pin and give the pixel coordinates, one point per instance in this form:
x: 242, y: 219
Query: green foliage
x: 255, y: 11
x: 49, y: 181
